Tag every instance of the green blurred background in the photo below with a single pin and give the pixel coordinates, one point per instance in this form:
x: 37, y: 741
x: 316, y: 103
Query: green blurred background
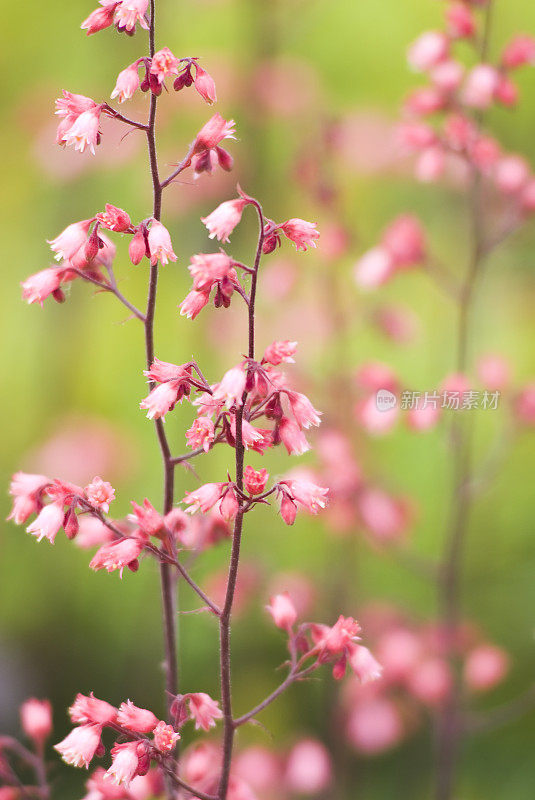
x: 78, y: 366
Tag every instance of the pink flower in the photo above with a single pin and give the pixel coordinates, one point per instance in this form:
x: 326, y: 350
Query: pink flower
x: 480, y: 86
x: 525, y: 405
x: 374, y: 725
x: 118, y: 555
x: 127, y: 83
x: 288, y: 509
x: 92, y: 532
x: 484, y: 152
x: 72, y: 105
x: 203, y: 498
x: 36, y: 719
x: 228, y: 507
x: 129, y: 12
x: 308, y: 769
x: 231, y: 387
x: 447, y: 76
x: 282, y: 611
x: 70, y: 240
x: 100, y: 494
x: 222, y: 221
x: 304, y: 412
x: 125, y: 762
x: 303, y: 234
x: 147, y: 518
x: 136, y: 719
x: 280, y: 352
x: 201, y: 433
x: 506, y: 91
x: 100, y: 18
x: 375, y: 421
x: 519, y: 51
x: 292, y: 437
x: 461, y: 23
x: 494, y: 372
x: 423, y: 417
x: 255, y: 480
x: 137, y: 248
x: 511, y: 173
x: 404, y: 240
x: 428, y: 50
x: 164, y: 63
x: 159, y: 242
x: 374, y: 268
x: 204, y: 83
x: 161, y: 399
x: 209, y: 268
x: 430, y: 164
x: 84, y: 132
x: 364, y: 665
x: 193, y: 304
x: 211, y: 134
x: 114, y: 218
x: 374, y: 375
x: 204, y: 711
x: 88, y: 709
x: 79, y: 747
x: 424, y: 101
x: 431, y: 681
x: 384, y: 516
x: 41, y: 285
x: 165, y: 737
x: 307, y: 494
x: 485, y: 667
x: 26, y: 490
x: 165, y: 371
x: 48, y: 522
x: 338, y: 640
x: 250, y: 435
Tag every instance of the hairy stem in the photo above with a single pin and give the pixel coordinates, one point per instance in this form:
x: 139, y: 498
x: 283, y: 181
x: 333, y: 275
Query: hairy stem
x: 225, y: 618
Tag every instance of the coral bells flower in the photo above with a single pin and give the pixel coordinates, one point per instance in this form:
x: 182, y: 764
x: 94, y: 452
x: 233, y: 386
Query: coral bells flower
x: 336, y: 643
x: 203, y: 710
x: 193, y: 304
x: 519, y: 51
x: 136, y: 719
x: 222, y: 221
x: 209, y: 268
x: 161, y: 400
x: 374, y: 268
x: 84, y: 133
x: 48, y: 522
x: 41, y: 285
x: 203, y: 498
x: 480, y: 85
x: 280, y: 352
x: 485, y: 667
x: 147, y: 518
x: 364, y: 665
x: 255, y: 480
x: 118, y: 555
x: 127, y: 83
x: 26, y: 490
x: 125, y: 762
x: 307, y: 494
x: 164, y: 63
x: 100, y: 494
x: 165, y: 737
x: 159, y: 242
x: 201, y: 433
x: 115, y: 219
x: 304, y: 412
x: 130, y: 12
x: 88, y: 709
x: 70, y: 240
x: 303, y: 234
x: 79, y: 747
x: 282, y: 610
x: 231, y: 387
x: 100, y: 18
x: 36, y: 719
x: 213, y: 132
x: 292, y: 437
x: 205, y: 85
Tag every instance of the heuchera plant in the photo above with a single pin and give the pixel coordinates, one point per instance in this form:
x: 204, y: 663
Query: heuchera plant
x: 252, y: 407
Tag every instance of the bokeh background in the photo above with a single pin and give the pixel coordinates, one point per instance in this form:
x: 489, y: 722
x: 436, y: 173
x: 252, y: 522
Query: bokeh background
x: 290, y: 72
